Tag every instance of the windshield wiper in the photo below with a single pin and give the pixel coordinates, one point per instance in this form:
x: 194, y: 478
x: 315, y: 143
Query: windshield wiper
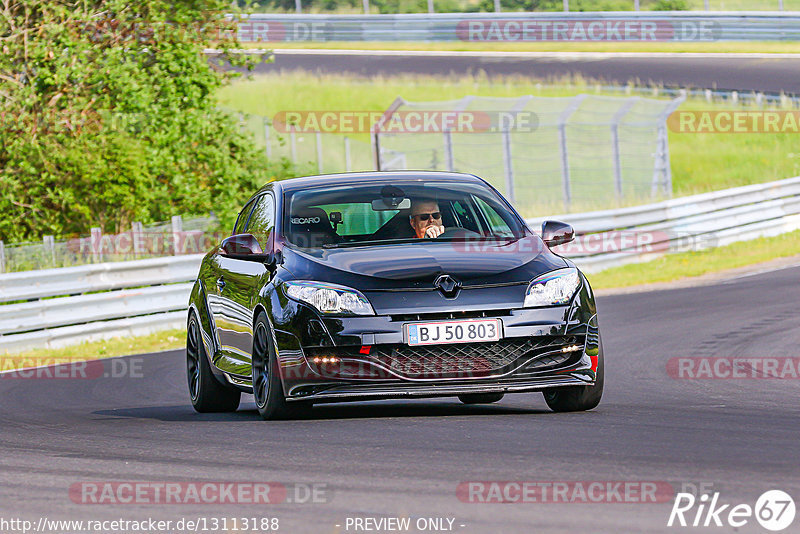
x: 401, y: 240
x: 367, y: 243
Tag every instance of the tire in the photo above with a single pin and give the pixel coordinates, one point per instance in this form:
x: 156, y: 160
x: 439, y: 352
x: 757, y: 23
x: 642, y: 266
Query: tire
x: 267, y: 385
x: 205, y: 391
x: 480, y: 398
x: 578, y: 398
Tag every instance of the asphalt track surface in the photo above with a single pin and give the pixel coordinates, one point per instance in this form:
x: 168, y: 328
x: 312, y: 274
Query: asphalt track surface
x: 734, y: 72
x: 406, y: 458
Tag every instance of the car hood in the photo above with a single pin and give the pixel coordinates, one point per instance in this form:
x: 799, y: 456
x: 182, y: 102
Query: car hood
x: 419, y: 264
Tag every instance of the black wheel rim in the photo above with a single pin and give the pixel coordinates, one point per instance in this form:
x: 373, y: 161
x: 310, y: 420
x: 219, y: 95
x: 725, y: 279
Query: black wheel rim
x: 193, y: 359
x: 260, y: 365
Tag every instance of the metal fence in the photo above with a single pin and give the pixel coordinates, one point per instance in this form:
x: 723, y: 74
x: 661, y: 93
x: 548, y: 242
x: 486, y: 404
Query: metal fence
x: 606, y: 26
x: 552, y: 154
x: 546, y: 152
x: 311, y: 152
x: 176, y: 237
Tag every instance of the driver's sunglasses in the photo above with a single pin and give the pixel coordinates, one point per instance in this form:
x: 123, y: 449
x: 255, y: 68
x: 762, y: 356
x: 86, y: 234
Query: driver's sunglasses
x: 425, y: 216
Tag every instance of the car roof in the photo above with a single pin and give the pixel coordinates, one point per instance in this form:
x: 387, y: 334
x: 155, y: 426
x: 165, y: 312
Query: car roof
x: 302, y: 182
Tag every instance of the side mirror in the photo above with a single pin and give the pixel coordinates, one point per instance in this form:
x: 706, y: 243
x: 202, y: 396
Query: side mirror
x: 556, y: 233
x: 241, y: 245
x: 246, y: 247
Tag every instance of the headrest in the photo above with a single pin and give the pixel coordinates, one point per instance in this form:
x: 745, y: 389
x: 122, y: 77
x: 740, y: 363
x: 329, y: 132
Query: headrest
x: 310, y: 227
x: 310, y: 220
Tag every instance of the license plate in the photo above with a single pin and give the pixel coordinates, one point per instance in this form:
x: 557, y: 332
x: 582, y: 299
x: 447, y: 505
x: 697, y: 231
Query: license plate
x: 466, y: 331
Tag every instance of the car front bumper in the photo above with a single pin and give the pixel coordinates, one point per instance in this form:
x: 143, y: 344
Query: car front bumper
x: 540, y: 348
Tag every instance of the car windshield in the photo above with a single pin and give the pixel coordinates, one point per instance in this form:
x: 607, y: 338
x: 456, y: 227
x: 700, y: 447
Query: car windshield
x: 391, y: 212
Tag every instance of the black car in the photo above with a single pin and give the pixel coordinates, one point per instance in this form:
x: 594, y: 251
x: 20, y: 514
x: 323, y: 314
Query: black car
x: 389, y: 285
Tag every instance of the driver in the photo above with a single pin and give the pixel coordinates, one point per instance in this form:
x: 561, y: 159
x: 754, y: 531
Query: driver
x: 425, y: 218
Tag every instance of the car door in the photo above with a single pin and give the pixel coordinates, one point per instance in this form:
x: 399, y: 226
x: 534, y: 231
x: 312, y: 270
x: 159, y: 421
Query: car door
x: 238, y: 285
x: 214, y: 282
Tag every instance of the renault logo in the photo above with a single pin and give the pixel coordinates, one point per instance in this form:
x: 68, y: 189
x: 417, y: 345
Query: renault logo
x: 448, y: 285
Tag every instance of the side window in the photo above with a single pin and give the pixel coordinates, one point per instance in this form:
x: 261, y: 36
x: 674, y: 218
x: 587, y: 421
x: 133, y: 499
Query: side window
x: 241, y: 222
x: 262, y: 221
x: 499, y: 226
x: 465, y: 216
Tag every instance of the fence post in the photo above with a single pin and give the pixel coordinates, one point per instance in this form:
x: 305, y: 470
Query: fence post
x: 2, y: 257
x: 506, y: 124
x: 449, y: 159
x: 136, y: 237
x: 293, y: 143
x: 376, y: 150
x: 497, y: 8
x: 347, y: 164
x: 319, y: 152
x: 50, y: 246
x: 636, y: 5
x: 298, y: 6
x: 661, y: 167
x: 177, y: 228
x: 97, y: 243
x: 615, y: 120
x: 508, y: 165
x: 707, y: 5
x: 566, y: 6
x: 562, y: 139
x: 448, y: 150
x: 366, y: 7
x: 267, y: 148
x: 430, y: 6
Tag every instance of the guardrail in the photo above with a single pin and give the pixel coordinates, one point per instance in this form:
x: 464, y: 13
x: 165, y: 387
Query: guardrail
x: 94, y: 301
x: 136, y: 297
x: 608, y: 26
x: 640, y: 233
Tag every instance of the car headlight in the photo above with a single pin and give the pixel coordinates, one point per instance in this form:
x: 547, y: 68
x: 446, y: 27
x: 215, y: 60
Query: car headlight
x: 553, y: 289
x: 329, y: 298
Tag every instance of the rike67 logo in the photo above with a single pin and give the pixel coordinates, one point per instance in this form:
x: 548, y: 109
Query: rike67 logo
x: 774, y: 510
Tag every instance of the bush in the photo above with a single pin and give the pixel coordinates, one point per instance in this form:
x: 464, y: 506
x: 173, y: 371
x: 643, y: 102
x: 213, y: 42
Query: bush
x: 107, y: 115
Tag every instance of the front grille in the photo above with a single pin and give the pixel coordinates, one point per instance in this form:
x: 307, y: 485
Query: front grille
x: 458, y: 360
x: 475, y: 314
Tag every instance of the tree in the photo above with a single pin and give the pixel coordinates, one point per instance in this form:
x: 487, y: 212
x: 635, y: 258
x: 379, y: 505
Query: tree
x: 108, y: 115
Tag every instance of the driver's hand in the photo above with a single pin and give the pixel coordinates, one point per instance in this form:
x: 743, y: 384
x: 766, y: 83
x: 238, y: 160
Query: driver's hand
x: 434, y: 231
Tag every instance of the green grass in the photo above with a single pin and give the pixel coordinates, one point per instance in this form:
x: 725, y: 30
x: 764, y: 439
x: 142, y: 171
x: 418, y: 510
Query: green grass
x: 764, y: 47
x: 166, y: 340
x: 691, y: 264
x: 700, y: 162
